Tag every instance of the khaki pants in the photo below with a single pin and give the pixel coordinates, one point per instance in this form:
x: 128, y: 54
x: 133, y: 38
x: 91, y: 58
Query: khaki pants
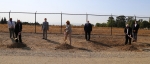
x: 68, y: 35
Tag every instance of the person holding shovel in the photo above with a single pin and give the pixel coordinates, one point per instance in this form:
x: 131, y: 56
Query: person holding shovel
x: 67, y: 31
x: 18, y: 29
x: 128, y: 34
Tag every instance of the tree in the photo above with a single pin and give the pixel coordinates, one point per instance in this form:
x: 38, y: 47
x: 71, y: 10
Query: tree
x: 5, y: 21
x: 130, y: 21
x: 111, y: 22
x: 2, y: 21
x: 101, y: 25
x: 25, y: 23
x: 145, y: 24
x: 97, y: 25
x: 140, y: 22
x: 120, y: 21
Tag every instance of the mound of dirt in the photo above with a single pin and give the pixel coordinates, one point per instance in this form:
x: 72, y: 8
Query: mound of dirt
x: 17, y: 45
x: 130, y: 48
x: 64, y: 47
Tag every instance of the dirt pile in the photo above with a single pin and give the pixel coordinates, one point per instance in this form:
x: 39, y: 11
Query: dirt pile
x: 17, y: 45
x: 64, y: 47
x: 130, y: 48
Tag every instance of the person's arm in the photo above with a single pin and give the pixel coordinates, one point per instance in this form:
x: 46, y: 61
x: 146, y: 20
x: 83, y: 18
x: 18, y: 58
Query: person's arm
x: 138, y: 26
x: 130, y: 31
x: 15, y: 28
x: 125, y: 30
x: 91, y: 27
x: 85, y: 27
x: 67, y: 28
x: 47, y: 26
x: 14, y: 24
x: 8, y: 24
x: 20, y: 27
x: 42, y: 26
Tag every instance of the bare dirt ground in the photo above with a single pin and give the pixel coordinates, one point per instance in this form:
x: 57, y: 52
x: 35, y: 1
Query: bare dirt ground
x: 103, y: 49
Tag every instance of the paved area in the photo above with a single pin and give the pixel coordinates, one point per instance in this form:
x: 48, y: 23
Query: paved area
x: 60, y: 60
x: 55, y: 57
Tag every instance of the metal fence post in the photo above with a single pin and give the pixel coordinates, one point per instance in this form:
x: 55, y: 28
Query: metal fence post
x: 111, y: 24
x: 86, y: 17
x: 135, y: 17
x: 35, y: 21
x: 9, y: 14
x: 149, y: 19
x: 61, y: 22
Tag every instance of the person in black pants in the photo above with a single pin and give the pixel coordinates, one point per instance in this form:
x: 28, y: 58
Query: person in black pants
x: 128, y: 34
x: 18, y: 29
x: 135, y: 31
x: 88, y: 29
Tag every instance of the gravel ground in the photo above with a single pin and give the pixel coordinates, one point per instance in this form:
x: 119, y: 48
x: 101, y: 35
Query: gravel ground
x: 100, y: 49
x: 75, y: 54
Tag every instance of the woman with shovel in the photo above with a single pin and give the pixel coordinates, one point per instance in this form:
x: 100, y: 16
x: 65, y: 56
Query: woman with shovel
x: 67, y: 31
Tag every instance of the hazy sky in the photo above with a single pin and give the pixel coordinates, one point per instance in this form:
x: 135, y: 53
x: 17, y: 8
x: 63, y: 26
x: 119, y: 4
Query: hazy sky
x: 101, y: 7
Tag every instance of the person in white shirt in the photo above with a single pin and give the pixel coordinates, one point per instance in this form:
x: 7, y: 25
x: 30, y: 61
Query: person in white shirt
x: 135, y: 31
x: 11, y: 26
x: 68, y: 31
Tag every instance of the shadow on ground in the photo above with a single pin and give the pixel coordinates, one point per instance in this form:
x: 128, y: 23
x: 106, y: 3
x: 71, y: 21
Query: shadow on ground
x: 84, y: 49
x: 68, y: 47
x: 18, y: 45
x: 54, y: 42
x: 99, y: 43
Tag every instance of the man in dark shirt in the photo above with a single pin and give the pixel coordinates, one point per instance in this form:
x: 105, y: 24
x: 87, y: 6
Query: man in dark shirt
x: 128, y: 34
x: 135, y: 31
x: 18, y: 29
x: 87, y: 29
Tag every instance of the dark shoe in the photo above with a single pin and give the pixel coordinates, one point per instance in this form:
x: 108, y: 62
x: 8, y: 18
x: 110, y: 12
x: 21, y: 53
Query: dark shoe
x: 133, y: 41
x: 88, y: 39
x: 43, y: 38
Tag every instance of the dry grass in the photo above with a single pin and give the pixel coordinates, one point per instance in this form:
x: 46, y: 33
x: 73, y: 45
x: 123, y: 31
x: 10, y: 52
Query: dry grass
x: 76, y: 30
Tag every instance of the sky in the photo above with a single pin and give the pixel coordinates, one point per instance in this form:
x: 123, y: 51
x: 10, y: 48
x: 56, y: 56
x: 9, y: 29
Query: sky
x: 99, y: 7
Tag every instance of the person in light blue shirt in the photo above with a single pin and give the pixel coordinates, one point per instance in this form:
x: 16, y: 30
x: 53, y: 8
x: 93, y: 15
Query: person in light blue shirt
x: 45, y: 28
x: 11, y: 26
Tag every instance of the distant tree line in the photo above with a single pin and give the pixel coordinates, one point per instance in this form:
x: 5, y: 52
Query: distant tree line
x: 120, y: 22
x: 4, y: 21
x: 27, y: 23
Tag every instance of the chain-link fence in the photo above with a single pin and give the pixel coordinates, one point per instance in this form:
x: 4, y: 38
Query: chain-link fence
x: 57, y: 22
